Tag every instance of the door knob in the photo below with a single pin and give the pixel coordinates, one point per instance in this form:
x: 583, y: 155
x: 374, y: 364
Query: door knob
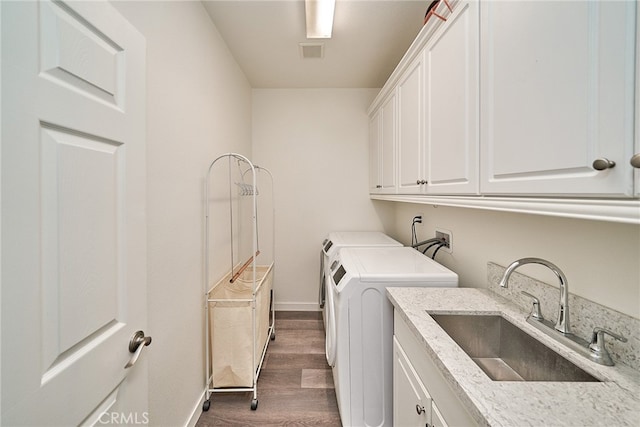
x: 136, y: 344
x: 635, y: 161
x: 603, y: 163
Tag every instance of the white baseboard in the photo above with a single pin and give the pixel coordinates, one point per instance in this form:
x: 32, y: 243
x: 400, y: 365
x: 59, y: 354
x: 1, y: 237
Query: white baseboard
x: 197, y: 411
x: 297, y: 306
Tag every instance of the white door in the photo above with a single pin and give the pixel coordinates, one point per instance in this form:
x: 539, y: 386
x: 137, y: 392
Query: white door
x: 451, y: 106
x: 388, y: 146
x: 411, y: 177
x: 557, y: 94
x: 411, y: 402
x: 374, y: 153
x: 73, y: 215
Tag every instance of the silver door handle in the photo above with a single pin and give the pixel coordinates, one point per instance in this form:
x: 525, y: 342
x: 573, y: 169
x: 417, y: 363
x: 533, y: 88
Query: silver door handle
x: 137, y: 342
x: 603, y: 164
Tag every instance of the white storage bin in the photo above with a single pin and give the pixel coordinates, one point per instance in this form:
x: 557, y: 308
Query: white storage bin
x: 231, y: 326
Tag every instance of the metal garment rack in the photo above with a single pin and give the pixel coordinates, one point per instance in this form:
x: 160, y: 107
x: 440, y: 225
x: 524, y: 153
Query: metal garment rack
x: 253, y: 302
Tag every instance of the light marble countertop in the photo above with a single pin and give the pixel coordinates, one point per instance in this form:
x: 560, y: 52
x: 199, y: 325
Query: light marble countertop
x: 613, y: 402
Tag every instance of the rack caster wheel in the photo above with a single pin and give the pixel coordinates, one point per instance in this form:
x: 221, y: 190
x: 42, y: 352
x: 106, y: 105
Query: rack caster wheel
x: 254, y: 404
x: 273, y: 336
x: 206, y: 405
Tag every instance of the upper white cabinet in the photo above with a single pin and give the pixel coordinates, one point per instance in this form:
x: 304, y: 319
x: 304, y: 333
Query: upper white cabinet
x: 410, y: 92
x: 636, y: 154
x: 533, y: 106
x: 451, y: 104
x: 374, y: 153
x: 382, y: 148
x: 436, y: 86
x: 557, y: 98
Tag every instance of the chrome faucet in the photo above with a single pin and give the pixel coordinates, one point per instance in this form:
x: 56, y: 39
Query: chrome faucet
x: 562, y: 323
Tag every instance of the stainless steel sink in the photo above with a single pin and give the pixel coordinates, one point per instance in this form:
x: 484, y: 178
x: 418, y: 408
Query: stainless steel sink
x: 506, y: 353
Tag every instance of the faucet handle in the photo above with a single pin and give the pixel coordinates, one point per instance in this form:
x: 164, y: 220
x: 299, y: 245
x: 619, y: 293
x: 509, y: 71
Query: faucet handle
x: 535, y: 310
x: 597, y: 347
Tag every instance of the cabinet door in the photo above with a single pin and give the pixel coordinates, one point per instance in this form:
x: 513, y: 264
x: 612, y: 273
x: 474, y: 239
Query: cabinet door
x: 374, y: 153
x: 410, y: 142
x: 411, y: 402
x: 451, y: 107
x: 636, y: 151
x: 437, y: 420
x: 388, y: 146
x: 557, y: 91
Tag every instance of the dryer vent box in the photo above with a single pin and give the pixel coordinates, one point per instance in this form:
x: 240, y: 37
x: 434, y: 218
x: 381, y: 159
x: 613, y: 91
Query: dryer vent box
x: 311, y: 50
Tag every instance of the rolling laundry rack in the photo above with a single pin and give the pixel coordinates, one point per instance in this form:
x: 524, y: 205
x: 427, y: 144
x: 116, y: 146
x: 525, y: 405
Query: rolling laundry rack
x: 239, y: 309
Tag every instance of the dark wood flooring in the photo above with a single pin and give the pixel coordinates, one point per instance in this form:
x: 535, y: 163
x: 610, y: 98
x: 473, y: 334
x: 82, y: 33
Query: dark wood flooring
x: 295, y: 386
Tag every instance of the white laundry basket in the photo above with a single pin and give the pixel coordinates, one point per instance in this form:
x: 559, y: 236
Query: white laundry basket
x: 233, y: 355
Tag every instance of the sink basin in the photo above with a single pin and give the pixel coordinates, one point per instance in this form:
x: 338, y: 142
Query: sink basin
x: 505, y: 352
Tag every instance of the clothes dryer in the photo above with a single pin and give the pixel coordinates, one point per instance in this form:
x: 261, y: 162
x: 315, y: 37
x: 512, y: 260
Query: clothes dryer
x: 360, y: 330
x: 343, y: 239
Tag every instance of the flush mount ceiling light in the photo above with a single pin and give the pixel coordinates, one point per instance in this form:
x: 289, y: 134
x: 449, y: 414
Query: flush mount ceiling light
x: 319, y: 18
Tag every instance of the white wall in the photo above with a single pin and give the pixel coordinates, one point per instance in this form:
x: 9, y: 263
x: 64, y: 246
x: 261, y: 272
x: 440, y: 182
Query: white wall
x: 198, y: 106
x: 601, y: 260
x: 315, y: 141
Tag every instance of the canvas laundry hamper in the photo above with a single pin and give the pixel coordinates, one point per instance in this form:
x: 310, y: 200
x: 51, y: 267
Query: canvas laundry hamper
x: 231, y: 326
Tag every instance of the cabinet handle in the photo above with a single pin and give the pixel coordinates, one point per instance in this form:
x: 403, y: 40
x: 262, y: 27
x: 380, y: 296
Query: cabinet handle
x: 635, y: 161
x: 420, y: 409
x: 603, y: 163
x: 378, y: 186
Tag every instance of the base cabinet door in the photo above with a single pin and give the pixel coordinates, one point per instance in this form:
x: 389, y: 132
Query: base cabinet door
x: 437, y: 420
x: 421, y: 395
x: 411, y: 402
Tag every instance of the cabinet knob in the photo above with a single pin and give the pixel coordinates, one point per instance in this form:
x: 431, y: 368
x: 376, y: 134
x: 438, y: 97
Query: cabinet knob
x: 603, y: 163
x: 421, y: 181
x: 418, y: 182
x: 420, y: 409
x: 378, y: 186
x: 635, y: 161
x: 424, y: 181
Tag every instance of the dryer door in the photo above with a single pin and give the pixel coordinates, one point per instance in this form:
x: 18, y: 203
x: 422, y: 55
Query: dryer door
x: 330, y: 327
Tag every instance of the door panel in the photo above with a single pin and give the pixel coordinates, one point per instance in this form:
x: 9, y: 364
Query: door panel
x: 451, y: 110
x: 73, y: 214
x: 554, y: 101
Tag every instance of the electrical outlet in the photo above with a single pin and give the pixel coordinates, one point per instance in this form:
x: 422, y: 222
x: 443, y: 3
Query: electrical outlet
x: 448, y: 238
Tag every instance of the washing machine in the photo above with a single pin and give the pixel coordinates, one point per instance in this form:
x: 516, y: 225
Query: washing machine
x: 360, y: 328
x: 343, y: 239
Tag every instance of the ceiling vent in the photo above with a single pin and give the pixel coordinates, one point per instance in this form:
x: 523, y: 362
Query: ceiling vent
x: 311, y: 50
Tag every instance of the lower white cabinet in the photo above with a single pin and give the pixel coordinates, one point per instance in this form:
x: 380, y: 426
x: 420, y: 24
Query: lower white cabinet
x: 421, y: 396
x: 412, y: 404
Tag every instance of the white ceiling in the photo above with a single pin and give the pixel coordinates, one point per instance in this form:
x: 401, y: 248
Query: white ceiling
x: 369, y: 39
